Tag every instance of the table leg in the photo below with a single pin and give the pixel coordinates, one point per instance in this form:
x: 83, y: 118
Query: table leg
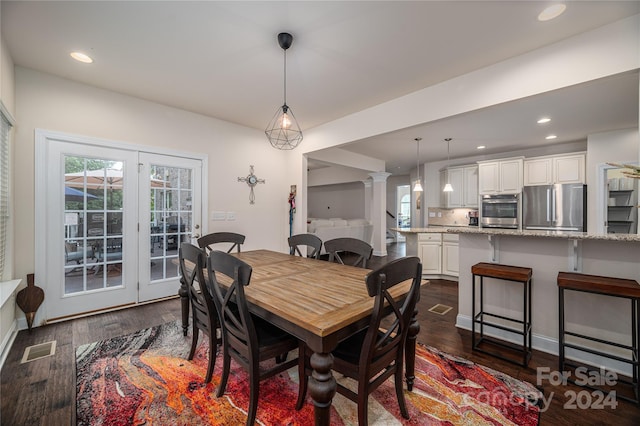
x: 410, y: 350
x: 183, y: 292
x: 322, y: 387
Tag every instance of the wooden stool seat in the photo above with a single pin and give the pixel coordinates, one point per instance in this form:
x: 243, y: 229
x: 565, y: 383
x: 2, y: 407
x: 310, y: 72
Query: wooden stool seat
x: 607, y: 286
x: 503, y: 272
x: 620, y: 287
x: 517, y: 274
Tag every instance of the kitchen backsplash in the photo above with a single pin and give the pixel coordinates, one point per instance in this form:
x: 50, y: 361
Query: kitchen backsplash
x: 448, y: 217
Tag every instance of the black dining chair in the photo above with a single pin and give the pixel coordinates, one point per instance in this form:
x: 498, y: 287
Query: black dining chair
x: 204, y: 314
x: 246, y: 338
x: 340, y: 249
x: 296, y: 242
x: 207, y: 241
x: 376, y: 353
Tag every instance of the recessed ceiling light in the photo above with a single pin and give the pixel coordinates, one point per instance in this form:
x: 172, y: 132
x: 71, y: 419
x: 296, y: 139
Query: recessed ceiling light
x: 551, y: 137
x: 544, y: 120
x: 481, y: 147
x: 81, y: 57
x: 552, y: 12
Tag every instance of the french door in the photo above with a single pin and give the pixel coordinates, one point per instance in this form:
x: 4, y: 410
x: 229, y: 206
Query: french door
x: 113, y: 221
x: 168, y: 194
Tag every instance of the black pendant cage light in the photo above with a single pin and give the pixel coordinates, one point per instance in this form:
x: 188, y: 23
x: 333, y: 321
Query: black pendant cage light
x: 283, y: 130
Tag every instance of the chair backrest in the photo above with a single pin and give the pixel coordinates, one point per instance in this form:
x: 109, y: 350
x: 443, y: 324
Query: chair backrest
x: 383, y: 348
x: 200, y: 297
x: 238, y: 332
x: 305, y: 240
x: 355, y: 246
x: 207, y: 241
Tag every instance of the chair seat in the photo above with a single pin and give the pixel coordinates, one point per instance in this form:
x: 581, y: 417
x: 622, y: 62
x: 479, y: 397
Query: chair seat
x: 349, y: 349
x: 268, y: 334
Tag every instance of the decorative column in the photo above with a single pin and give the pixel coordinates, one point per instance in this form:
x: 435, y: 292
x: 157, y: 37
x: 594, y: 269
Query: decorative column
x: 378, y: 212
x: 368, y: 184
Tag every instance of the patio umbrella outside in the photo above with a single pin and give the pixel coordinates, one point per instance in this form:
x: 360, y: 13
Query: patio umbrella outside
x: 99, y: 178
x: 72, y: 194
x: 96, y: 179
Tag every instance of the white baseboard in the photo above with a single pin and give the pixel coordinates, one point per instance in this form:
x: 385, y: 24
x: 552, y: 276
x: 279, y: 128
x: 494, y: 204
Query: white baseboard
x: 22, y: 323
x: 439, y: 277
x: 550, y: 345
x: 7, y: 342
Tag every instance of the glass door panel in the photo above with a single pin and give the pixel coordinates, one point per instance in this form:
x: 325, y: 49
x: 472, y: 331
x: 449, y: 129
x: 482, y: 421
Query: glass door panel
x: 89, y: 190
x: 173, y: 208
x: 93, y: 224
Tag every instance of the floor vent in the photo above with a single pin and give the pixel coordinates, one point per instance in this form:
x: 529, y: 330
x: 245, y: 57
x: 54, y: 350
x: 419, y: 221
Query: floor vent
x: 31, y: 353
x: 440, y: 309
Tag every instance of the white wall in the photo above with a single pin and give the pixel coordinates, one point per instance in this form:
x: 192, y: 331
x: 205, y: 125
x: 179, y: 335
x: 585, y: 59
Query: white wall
x: 56, y: 104
x: 7, y: 79
x: 345, y: 201
x: 333, y: 175
x: 7, y: 103
x: 621, y: 146
x: 8, y: 325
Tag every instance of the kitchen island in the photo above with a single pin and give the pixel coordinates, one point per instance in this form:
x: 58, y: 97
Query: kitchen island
x: 547, y: 253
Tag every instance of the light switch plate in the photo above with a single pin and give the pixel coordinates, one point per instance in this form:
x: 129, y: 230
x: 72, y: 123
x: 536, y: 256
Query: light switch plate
x: 218, y: 215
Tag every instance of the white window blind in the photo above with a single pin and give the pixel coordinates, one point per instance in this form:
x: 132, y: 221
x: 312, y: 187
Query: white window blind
x: 5, y: 126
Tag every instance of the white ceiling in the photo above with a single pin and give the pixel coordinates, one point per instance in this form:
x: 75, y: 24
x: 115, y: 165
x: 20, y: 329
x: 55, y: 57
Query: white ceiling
x: 221, y: 59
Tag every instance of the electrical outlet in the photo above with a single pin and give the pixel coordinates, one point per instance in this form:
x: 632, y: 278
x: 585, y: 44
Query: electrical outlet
x: 439, y: 214
x: 231, y: 215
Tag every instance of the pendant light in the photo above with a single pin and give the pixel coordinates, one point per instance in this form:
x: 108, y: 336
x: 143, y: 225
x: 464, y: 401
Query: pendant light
x: 283, y: 130
x: 418, y: 186
x: 448, y: 187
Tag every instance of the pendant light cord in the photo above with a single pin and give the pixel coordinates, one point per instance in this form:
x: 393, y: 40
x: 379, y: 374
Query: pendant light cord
x: 418, y: 156
x: 285, y: 76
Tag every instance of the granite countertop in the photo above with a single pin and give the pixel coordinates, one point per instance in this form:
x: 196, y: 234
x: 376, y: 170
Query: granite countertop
x: 522, y: 233
x: 433, y: 229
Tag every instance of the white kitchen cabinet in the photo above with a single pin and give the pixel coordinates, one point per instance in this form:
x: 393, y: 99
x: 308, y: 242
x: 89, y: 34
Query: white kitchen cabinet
x: 550, y: 170
x: 430, y: 253
x: 464, y: 180
x: 569, y: 169
x: 500, y: 177
x: 538, y: 171
x: 471, y: 186
x: 450, y: 263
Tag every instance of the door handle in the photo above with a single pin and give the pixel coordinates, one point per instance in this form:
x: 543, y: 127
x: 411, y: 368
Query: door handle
x: 194, y: 236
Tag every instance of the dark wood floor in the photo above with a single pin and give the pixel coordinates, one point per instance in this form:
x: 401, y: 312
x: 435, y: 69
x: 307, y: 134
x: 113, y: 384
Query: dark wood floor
x: 42, y: 392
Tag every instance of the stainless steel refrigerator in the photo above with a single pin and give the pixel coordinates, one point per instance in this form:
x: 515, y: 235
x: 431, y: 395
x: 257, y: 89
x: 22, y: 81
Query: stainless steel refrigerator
x: 555, y: 207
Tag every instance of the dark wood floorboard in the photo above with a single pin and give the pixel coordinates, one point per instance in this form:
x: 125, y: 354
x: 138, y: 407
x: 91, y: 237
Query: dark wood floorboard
x: 42, y: 392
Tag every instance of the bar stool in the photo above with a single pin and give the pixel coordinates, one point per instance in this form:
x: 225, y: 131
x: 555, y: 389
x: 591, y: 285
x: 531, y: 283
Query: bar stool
x: 607, y: 286
x: 517, y: 274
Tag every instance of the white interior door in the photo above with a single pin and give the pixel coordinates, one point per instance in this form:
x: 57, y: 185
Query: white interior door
x: 90, y: 235
x: 170, y: 213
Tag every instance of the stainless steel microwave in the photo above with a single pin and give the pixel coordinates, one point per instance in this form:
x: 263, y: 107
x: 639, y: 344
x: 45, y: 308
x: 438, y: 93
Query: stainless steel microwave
x: 500, y: 211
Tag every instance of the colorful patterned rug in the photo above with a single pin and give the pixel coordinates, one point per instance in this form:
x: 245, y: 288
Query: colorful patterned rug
x: 144, y: 379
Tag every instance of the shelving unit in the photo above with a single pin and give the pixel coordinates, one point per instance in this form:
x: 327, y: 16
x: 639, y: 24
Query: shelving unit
x: 622, y: 213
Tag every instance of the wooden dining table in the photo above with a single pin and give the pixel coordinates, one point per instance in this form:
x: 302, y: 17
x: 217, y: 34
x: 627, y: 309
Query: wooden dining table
x: 320, y: 303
